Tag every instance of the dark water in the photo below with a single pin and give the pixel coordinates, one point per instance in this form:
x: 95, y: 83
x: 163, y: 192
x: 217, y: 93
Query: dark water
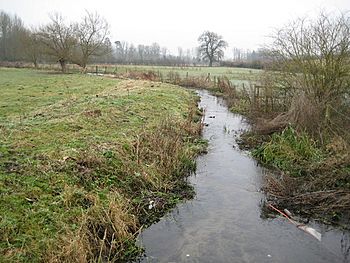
x: 224, y: 222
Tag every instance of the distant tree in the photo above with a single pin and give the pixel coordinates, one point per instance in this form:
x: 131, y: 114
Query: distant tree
x: 122, y: 48
x: 237, y: 54
x: 164, y: 52
x: 91, y: 34
x: 132, y: 54
x: 188, y: 56
x: 58, y: 39
x: 5, y: 24
x: 141, y: 52
x: 155, y: 53
x: 32, y: 46
x: 11, y: 31
x: 211, y: 46
x: 180, y: 52
x: 106, y: 53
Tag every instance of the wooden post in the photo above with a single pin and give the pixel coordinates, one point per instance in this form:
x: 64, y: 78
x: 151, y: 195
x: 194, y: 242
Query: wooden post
x: 96, y: 70
x: 257, y: 99
x: 208, y: 77
x: 255, y: 88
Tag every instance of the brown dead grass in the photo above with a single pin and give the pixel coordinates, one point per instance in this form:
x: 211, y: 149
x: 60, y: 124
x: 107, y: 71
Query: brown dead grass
x: 102, y: 235
x: 319, y: 194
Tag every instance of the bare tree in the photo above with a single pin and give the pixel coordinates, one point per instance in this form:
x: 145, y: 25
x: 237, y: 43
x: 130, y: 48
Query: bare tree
x: 122, y: 50
x: 155, y: 53
x: 313, y: 58
x: 132, y: 54
x: 164, y: 52
x: 180, y: 53
x: 58, y: 40
x: 237, y: 54
x: 141, y: 52
x: 32, y: 46
x: 11, y: 31
x: 211, y: 46
x: 91, y: 34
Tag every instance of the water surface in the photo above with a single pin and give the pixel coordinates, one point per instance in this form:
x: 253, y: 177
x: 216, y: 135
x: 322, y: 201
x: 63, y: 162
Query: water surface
x: 224, y: 222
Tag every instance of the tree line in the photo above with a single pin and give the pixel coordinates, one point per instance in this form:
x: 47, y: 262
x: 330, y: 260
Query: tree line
x: 154, y: 54
x: 58, y: 41
x: 89, y: 40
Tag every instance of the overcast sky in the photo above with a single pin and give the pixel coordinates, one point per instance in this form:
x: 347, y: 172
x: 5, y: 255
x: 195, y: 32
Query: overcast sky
x: 243, y: 23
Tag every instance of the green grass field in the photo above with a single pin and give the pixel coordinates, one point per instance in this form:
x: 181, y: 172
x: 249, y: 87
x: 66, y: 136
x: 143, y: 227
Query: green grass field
x: 83, y: 154
x: 235, y: 75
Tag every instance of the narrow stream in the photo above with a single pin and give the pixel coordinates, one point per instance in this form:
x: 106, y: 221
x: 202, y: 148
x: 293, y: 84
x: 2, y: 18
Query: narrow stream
x: 224, y: 222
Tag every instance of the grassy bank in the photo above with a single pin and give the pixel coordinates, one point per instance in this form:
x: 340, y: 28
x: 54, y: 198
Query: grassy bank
x: 311, y: 179
x: 85, y: 162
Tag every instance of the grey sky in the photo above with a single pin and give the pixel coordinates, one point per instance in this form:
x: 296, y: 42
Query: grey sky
x: 242, y: 23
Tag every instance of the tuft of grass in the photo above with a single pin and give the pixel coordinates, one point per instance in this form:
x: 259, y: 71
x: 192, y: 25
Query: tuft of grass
x: 290, y: 151
x: 81, y: 157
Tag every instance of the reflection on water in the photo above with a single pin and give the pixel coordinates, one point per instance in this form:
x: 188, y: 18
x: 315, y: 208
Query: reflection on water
x: 224, y: 223
x: 345, y: 246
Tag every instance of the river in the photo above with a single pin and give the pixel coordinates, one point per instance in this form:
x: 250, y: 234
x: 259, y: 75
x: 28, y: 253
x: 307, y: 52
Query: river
x: 224, y: 222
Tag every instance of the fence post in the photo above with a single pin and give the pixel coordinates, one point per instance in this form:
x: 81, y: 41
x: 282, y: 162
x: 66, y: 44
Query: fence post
x: 96, y: 70
x: 255, y: 89
x: 208, y: 77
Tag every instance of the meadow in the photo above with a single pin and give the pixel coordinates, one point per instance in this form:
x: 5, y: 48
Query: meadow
x: 81, y: 159
x: 237, y: 76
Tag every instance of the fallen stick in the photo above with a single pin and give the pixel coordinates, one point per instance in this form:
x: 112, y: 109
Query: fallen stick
x: 311, y: 231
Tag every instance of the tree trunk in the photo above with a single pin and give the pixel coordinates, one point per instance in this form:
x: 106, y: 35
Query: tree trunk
x: 84, y: 66
x: 84, y: 69
x: 63, y: 64
x: 210, y: 62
